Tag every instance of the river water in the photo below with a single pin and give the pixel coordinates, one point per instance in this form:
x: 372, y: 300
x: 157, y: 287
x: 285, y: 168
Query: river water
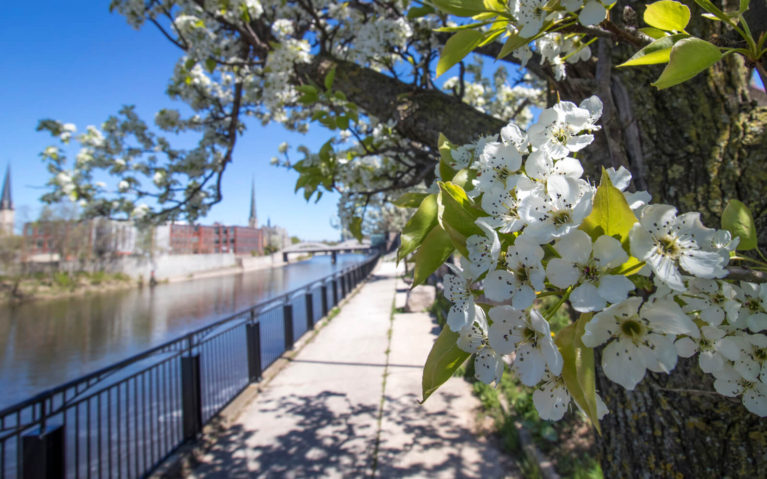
x: 47, y: 343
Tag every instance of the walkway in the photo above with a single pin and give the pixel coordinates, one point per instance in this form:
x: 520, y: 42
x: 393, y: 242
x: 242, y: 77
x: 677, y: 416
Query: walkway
x: 344, y: 407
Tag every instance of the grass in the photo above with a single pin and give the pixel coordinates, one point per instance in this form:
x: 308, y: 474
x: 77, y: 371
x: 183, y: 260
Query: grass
x: 57, y: 283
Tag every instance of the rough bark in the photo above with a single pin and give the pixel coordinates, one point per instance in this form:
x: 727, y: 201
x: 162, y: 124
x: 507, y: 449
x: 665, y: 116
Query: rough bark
x: 421, y: 115
x: 701, y: 144
x: 695, y: 146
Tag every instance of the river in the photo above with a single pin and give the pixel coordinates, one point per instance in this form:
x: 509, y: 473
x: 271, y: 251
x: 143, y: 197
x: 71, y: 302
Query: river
x: 46, y: 343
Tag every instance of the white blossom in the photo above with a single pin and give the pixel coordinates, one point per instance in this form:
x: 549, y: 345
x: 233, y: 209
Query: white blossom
x: 528, y: 336
x: 588, y: 268
x: 667, y: 242
x: 522, y: 278
x: 636, y: 339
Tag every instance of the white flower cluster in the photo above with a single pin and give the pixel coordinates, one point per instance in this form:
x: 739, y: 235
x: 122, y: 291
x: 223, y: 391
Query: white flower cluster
x: 533, y: 241
x: 530, y: 15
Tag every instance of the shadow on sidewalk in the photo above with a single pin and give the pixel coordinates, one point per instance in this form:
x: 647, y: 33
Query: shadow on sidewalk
x: 333, y: 437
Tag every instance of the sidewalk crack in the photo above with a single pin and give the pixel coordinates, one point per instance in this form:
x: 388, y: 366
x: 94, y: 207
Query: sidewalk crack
x: 379, y: 420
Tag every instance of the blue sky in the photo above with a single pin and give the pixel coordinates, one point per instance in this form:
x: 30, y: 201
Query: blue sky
x: 76, y: 62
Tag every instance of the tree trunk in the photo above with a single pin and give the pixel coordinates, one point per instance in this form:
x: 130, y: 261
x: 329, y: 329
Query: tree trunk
x: 694, y: 146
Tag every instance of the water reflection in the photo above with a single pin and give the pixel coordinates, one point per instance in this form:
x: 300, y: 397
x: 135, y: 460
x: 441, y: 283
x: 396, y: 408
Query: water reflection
x: 46, y: 343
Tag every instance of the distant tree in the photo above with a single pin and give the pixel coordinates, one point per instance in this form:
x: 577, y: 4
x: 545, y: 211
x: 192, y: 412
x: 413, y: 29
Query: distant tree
x: 67, y: 235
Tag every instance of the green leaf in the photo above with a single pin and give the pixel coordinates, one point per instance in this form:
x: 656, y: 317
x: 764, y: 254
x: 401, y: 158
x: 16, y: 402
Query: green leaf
x: 490, y: 36
x: 578, y: 367
x: 355, y: 228
x: 419, y: 225
x: 630, y: 267
x: 667, y: 15
x: 326, y: 150
x: 210, y: 65
x: 610, y: 215
x: 342, y: 122
x: 444, y: 358
x: 653, y: 32
x: 457, y: 47
x: 410, y: 200
x: 512, y: 43
x: 445, y: 158
x: 689, y: 57
x: 658, y: 51
x: 467, y: 26
x: 434, y: 251
x: 457, y: 215
x: 460, y: 8
x: 308, y: 98
x: 331, y: 75
x: 737, y: 219
x: 464, y: 178
x: 418, y: 12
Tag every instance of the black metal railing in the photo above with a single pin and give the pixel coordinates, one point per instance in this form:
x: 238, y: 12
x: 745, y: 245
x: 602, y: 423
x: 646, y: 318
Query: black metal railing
x: 125, y: 419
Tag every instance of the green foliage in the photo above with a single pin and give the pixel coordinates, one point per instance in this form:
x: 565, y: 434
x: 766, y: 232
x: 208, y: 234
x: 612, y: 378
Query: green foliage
x: 667, y: 15
x: 457, y: 214
x: 689, y: 57
x: 63, y: 280
x: 457, y: 47
x: 460, y: 8
x: 578, y: 369
x: 355, y: 228
x: 435, y: 250
x: 410, y: 200
x: 658, y: 51
x: 610, y: 215
x: 419, y: 225
x: 737, y: 219
x: 444, y: 358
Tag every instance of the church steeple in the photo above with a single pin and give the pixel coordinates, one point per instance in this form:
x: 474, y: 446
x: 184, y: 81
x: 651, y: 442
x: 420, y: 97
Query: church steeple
x: 6, y: 205
x: 252, y: 219
x: 5, y: 202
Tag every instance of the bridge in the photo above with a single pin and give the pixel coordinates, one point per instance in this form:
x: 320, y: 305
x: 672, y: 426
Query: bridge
x: 348, y: 246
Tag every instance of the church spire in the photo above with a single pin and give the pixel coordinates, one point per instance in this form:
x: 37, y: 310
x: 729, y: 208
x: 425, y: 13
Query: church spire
x: 252, y: 219
x: 5, y: 202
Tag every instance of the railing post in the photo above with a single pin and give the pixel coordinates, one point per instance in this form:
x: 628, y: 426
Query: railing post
x: 41, y: 454
x: 309, y: 311
x: 253, y: 337
x: 191, y: 397
x: 342, y: 278
x: 287, y: 323
x: 324, y: 291
x: 335, y: 292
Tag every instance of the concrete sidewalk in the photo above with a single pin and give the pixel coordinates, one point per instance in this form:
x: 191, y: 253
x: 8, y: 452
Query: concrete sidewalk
x: 327, y: 413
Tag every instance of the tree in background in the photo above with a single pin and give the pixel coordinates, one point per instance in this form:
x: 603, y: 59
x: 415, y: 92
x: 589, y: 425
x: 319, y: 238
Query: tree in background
x: 64, y: 233
x: 366, y: 72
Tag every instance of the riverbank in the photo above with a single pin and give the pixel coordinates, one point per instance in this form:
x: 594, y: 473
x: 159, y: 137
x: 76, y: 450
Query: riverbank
x: 58, y: 285
x: 42, y: 286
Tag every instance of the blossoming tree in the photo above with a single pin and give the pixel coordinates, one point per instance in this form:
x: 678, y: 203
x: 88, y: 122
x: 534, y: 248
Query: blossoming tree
x: 601, y: 202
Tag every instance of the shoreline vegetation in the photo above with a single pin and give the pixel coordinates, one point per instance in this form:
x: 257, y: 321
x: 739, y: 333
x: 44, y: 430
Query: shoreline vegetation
x: 45, y: 286
x: 19, y: 289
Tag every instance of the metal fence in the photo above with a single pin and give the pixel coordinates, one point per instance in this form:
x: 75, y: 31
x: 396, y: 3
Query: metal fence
x: 125, y: 419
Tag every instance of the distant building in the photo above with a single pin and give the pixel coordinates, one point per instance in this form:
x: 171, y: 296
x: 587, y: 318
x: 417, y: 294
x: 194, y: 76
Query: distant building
x: 107, y: 237
x: 7, y: 215
x: 276, y: 237
x: 218, y: 238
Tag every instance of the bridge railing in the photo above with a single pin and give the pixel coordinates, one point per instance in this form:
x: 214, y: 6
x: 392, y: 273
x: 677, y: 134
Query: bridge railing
x: 125, y: 419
